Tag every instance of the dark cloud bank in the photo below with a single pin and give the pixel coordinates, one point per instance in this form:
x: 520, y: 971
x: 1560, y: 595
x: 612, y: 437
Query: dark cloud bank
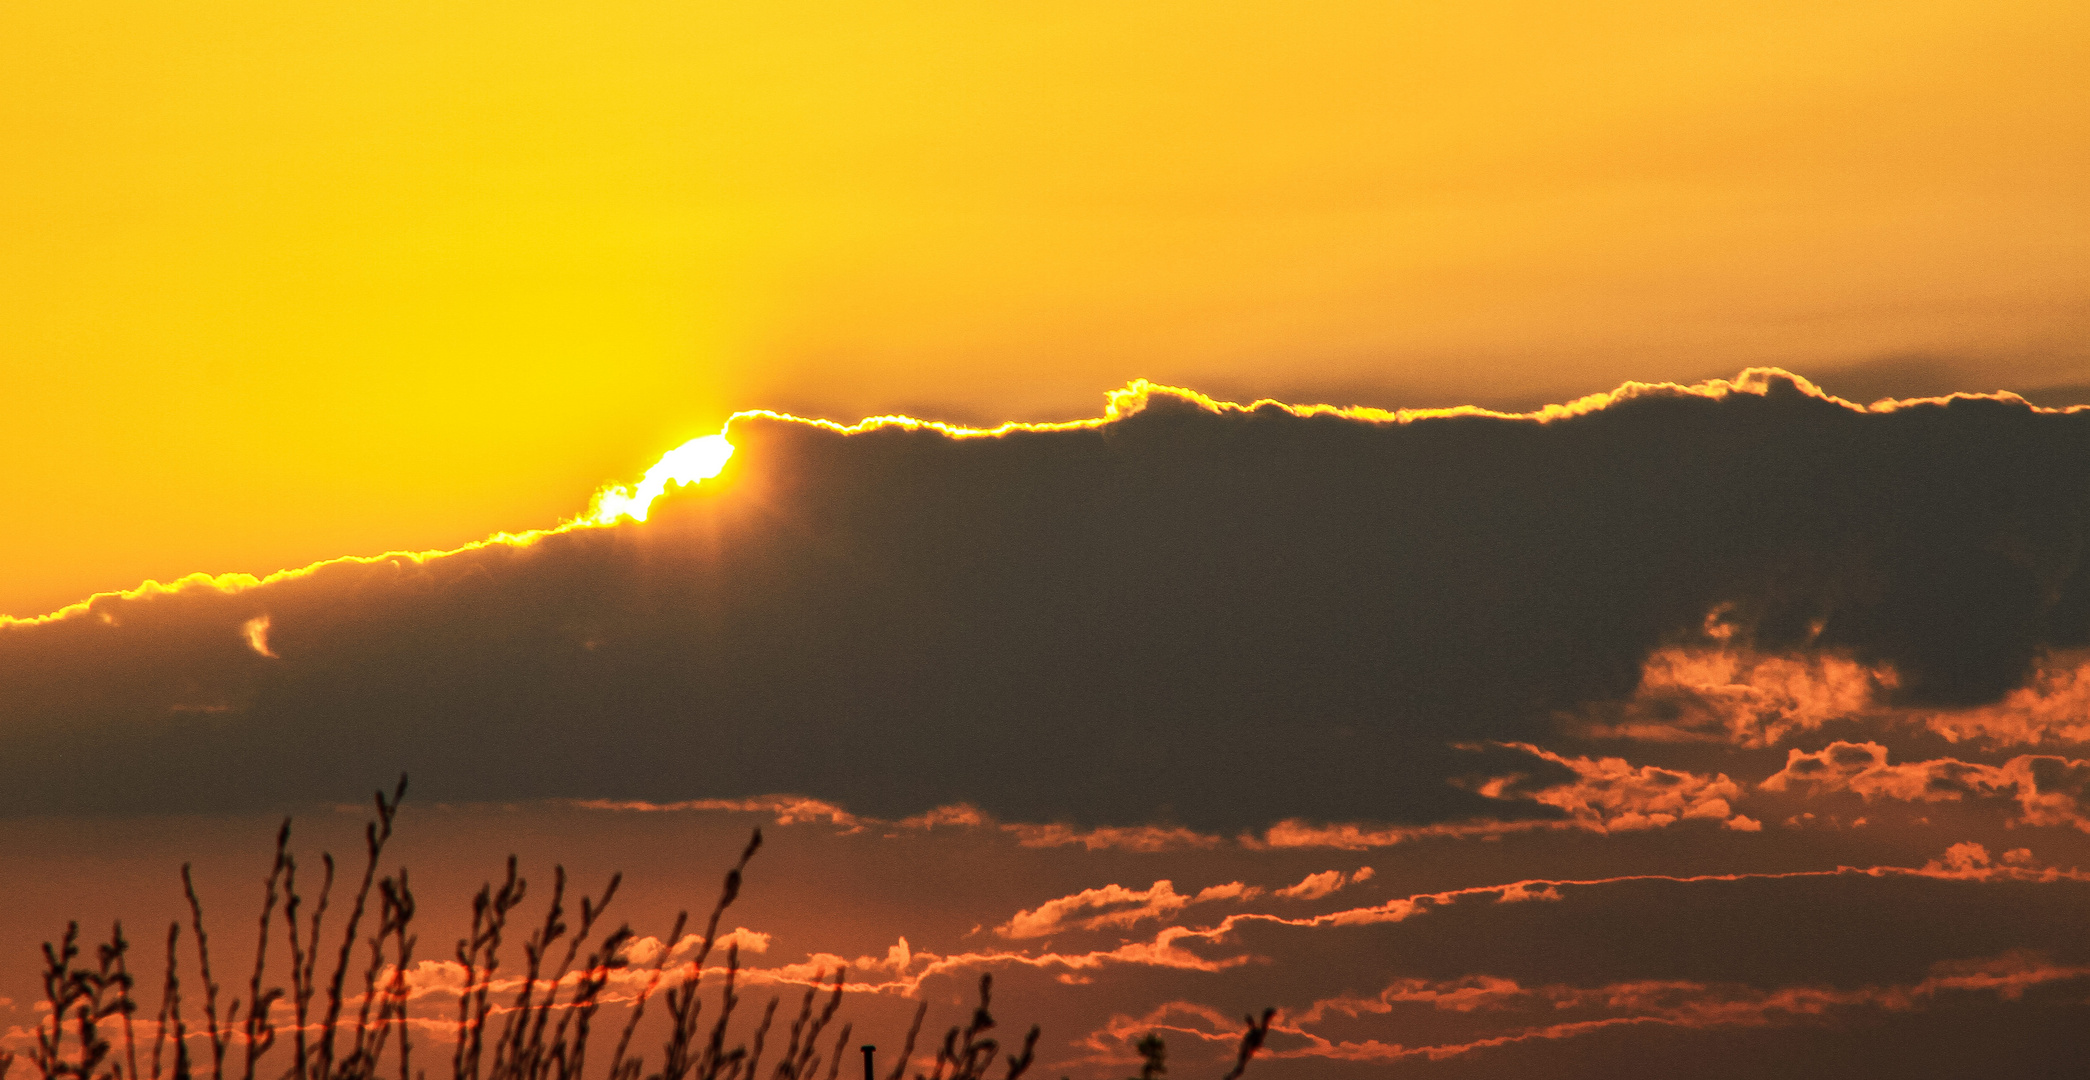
x: 1215, y: 617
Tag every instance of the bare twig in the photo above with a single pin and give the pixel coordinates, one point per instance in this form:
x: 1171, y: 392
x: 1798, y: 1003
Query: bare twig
x: 218, y: 1040
x: 1251, y: 1041
x: 304, y: 956
x: 261, y: 1034
x: 638, y: 1008
x: 913, y: 1030
x: 480, y: 955
x: 375, y: 834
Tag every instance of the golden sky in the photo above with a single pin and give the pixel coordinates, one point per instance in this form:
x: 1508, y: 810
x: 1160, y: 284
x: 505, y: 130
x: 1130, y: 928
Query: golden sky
x: 1716, y: 732
x: 284, y: 282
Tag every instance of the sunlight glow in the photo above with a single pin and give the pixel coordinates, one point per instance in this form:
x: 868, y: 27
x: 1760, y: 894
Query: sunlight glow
x: 705, y: 457
x: 697, y: 459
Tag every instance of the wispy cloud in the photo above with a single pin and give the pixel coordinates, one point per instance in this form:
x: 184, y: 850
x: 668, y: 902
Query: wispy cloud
x: 1514, y: 1012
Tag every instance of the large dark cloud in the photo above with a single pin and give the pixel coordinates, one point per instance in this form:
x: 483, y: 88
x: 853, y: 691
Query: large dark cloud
x: 1220, y: 617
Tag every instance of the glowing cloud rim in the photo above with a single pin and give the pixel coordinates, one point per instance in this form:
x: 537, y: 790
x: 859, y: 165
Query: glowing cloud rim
x: 705, y: 456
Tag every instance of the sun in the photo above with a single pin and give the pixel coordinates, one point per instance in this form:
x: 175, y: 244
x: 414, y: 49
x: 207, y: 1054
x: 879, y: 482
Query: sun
x: 698, y: 459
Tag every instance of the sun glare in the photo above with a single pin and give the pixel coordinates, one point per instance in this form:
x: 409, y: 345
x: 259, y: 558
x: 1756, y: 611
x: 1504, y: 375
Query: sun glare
x: 697, y: 459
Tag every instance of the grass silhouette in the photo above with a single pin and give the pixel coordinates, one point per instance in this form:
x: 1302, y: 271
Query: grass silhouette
x: 545, y: 1028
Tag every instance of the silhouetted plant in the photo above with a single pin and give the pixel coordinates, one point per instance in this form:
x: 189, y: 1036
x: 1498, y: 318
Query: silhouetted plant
x: 71, y: 1042
x: 83, y: 994
x: 969, y: 1053
x: 1153, y: 1055
x: 1251, y: 1041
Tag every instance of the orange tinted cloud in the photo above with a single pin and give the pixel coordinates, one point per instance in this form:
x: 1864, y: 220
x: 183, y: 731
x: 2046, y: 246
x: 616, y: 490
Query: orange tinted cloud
x: 786, y: 809
x: 2052, y: 706
x: 1612, y: 795
x: 1722, y: 693
x: 792, y: 809
x: 2049, y: 790
x: 1117, y: 906
x: 1606, y: 795
x: 1315, y: 886
x: 1502, y: 960
x: 1112, y: 837
x: 1717, y: 693
x: 256, y: 631
x: 1114, y: 906
x: 1351, y: 836
x: 1520, y: 1013
x: 1498, y: 1011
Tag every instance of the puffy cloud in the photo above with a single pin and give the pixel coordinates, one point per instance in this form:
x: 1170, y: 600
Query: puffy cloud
x: 740, y: 937
x: 2052, y: 706
x: 2049, y: 790
x: 1327, y: 882
x: 1116, y: 906
x: 1601, y: 795
x: 1863, y: 768
x: 1612, y: 795
x: 1723, y: 694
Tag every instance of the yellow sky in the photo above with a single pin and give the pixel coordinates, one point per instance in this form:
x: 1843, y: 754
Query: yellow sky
x: 280, y: 282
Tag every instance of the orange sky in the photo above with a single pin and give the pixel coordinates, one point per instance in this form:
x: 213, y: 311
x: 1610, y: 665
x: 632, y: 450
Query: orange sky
x: 283, y: 283
x: 1719, y: 731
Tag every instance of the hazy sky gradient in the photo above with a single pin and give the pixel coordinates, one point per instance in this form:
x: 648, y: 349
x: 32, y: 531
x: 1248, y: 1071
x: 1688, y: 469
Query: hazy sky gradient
x: 1712, y: 730
x: 1716, y: 730
x: 280, y: 283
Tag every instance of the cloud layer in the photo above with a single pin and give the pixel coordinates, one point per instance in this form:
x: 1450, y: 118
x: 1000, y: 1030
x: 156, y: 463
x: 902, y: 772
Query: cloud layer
x: 1197, y: 614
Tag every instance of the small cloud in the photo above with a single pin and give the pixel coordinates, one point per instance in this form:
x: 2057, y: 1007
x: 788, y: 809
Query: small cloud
x: 751, y: 941
x: 1142, y: 838
x: 2052, y: 707
x: 1114, y: 905
x: 256, y: 631
x: 957, y: 814
x: 1613, y: 795
x: 1732, y: 694
x: 1967, y: 858
x: 1315, y: 886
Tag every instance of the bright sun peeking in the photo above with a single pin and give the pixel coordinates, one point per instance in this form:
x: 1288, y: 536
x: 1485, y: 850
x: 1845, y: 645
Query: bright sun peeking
x: 697, y: 459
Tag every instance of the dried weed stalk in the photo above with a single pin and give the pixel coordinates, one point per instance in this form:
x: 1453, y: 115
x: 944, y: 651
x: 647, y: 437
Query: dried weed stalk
x: 545, y: 1025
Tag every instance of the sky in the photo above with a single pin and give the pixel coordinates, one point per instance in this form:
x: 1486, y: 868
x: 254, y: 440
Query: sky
x: 1530, y: 541
x: 1720, y: 729
x: 285, y: 283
